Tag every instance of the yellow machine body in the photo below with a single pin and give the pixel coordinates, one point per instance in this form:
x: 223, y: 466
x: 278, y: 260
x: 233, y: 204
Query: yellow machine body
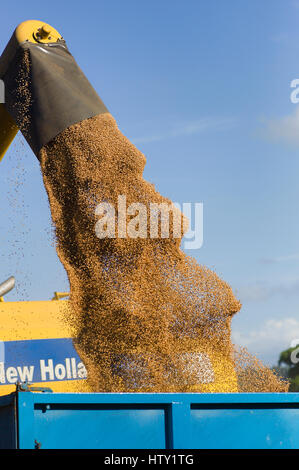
x: 8, y: 130
x: 36, y: 347
x: 36, y: 31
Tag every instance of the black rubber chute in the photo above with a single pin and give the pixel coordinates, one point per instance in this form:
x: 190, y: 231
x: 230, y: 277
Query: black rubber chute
x: 60, y: 94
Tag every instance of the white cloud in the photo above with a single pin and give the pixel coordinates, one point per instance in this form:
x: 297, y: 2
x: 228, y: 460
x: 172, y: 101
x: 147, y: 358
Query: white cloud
x: 280, y: 259
x: 263, y: 290
x: 187, y: 129
x: 269, y: 339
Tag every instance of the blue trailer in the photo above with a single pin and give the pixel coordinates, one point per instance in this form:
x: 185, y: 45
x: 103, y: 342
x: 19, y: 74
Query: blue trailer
x: 30, y: 419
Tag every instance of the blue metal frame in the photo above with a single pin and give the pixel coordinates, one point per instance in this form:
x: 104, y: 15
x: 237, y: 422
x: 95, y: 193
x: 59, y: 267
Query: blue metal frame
x: 173, y: 421
x: 8, y: 422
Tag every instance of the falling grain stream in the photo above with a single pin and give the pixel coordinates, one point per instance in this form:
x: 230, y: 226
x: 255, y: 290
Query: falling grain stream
x: 145, y: 316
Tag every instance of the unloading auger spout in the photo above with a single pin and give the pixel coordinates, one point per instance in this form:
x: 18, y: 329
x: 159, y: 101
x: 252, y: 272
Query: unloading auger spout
x: 60, y: 95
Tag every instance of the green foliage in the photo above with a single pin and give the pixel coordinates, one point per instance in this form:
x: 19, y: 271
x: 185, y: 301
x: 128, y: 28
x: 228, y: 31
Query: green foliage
x: 288, y: 365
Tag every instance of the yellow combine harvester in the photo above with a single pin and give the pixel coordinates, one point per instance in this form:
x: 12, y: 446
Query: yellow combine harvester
x: 36, y: 343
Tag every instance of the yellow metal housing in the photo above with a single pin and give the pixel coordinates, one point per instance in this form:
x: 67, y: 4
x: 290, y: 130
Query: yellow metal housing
x: 46, y: 320
x: 36, y: 31
x: 37, y: 320
x: 8, y: 130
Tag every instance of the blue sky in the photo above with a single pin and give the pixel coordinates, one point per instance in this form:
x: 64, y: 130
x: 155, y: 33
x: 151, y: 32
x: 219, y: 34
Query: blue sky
x: 203, y: 89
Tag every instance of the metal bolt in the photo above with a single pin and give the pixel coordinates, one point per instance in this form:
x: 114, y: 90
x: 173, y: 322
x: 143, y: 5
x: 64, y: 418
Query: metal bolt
x: 44, y: 32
